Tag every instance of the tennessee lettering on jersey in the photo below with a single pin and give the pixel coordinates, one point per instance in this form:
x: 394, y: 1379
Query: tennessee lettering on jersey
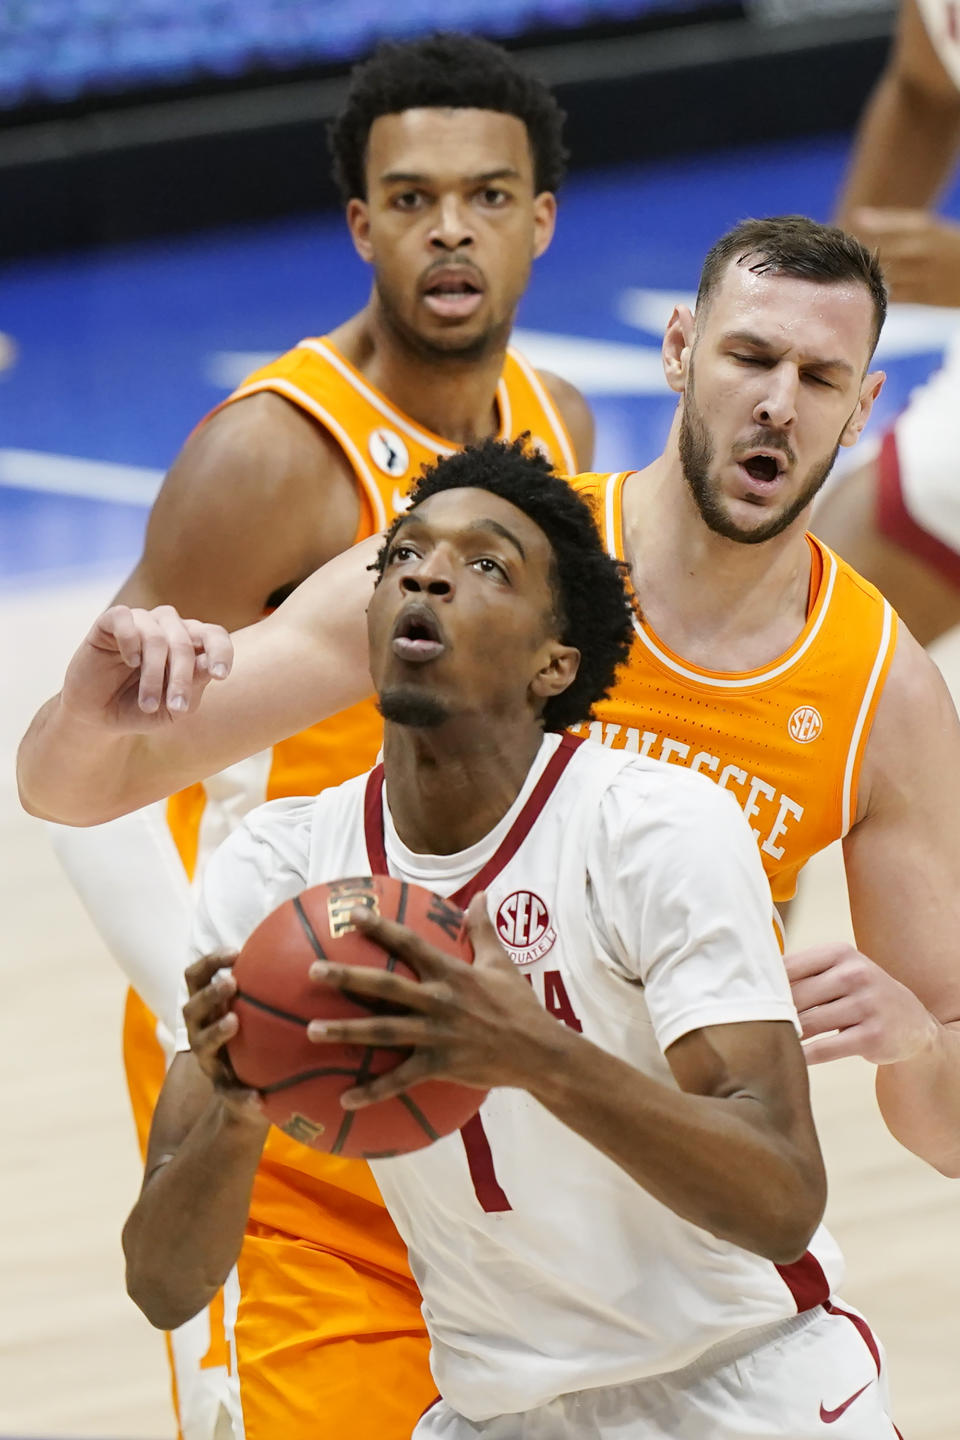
x: 786, y: 740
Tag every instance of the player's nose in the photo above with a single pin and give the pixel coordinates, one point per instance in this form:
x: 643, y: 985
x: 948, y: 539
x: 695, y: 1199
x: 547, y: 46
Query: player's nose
x: 452, y: 228
x: 777, y: 405
x: 431, y: 575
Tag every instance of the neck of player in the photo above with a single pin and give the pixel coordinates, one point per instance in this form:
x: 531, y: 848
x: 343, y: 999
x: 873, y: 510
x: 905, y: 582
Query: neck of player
x: 453, y: 396
x: 448, y: 787
x: 717, y: 603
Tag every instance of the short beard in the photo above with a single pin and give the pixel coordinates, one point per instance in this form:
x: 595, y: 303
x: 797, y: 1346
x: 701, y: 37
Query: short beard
x: 470, y: 350
x: 696, y: 459
x: 407, y: 705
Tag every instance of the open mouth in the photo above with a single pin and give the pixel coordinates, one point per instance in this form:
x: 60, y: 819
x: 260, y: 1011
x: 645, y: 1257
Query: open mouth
x: 453, y: 292
x: 763, y: 466
x: 417, y: 636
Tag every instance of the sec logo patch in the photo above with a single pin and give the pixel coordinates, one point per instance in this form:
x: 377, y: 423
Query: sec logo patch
x: 523, y: 924
x: 388, y: 451
x: 805, y: 724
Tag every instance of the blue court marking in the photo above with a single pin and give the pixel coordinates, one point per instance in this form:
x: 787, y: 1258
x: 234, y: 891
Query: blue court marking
x: 115, y: 347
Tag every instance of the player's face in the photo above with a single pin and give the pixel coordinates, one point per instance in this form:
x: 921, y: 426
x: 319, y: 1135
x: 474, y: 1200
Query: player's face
x: 461, y: 623
x: 773, y: 383
x: 451, y: 225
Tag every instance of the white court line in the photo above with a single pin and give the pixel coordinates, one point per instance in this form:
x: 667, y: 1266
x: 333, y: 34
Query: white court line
x: 598, y: 367
x: 69, y: 475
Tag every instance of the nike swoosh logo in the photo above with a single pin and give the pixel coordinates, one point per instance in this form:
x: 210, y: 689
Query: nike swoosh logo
x: 828, y: 1416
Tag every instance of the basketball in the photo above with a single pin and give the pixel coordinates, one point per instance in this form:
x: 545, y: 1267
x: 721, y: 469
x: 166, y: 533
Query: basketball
x: 300, y: 1082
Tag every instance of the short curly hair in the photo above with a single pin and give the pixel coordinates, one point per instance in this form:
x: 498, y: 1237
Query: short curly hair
x: 444, y: 70
x: 592, y: 605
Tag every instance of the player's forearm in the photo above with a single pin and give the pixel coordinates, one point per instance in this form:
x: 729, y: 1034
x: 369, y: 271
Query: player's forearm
x: 72, y: 772
x: 715, y: 1162
x: 905, y: 148
x: 919, y: 1099
x: 185, y: 1231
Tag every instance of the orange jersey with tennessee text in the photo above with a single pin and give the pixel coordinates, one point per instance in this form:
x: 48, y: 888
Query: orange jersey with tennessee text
x: 386, y: 450
x: 788, y: 739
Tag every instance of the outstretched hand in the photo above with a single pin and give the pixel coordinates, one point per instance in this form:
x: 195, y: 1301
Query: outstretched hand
x: 478, y: 1024
x: 837, y: 989
x: 137, y: 669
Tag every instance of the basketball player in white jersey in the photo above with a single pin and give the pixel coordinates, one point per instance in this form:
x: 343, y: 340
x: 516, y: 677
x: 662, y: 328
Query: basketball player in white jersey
x: 619, y: 1245
x: 896, y: 518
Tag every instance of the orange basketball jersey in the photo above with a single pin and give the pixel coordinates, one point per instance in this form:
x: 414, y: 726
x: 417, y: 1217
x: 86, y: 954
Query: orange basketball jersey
x: 787, y: 740
x: 386, y: 450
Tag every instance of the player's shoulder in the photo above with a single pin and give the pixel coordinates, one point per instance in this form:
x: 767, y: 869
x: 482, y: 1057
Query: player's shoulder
x: 575, y: 412
x: 648, y: 791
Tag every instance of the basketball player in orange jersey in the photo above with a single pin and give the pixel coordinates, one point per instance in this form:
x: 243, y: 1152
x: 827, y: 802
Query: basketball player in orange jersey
x: 897, y: 516
x: 448, y: 158
x: 762, y: 661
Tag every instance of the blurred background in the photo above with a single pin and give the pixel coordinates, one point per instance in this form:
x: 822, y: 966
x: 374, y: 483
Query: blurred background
x: 167, y: 222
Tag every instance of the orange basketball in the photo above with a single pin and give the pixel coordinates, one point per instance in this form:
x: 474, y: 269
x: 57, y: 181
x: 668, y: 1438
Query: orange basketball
x: 300, y: 1082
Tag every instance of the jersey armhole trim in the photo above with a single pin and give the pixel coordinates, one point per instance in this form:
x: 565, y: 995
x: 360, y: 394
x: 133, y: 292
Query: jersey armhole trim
x: 555, y: 420
x: 864, y: 722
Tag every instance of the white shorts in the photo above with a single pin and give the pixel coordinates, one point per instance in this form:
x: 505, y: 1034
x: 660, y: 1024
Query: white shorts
x: 918, y: 496
x: 818, y: 1376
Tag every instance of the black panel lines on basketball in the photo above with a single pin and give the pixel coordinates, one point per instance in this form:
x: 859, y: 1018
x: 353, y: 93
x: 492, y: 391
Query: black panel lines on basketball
x: 342, y: 1133
x: 319, y: 1074
x: 270, y: 1009
x: 419, y: 1116
x: 308, y: 928
x: 402, y: 903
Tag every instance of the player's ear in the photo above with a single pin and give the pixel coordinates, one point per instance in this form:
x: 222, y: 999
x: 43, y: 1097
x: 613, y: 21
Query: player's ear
x: 869, y: 390
x: 544, y: 221
x: 677, y: 347
x: 557, y: 672
x: 358, y: 223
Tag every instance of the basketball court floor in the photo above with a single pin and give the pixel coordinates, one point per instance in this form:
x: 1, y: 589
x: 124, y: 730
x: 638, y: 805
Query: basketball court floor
x: 106, y: 362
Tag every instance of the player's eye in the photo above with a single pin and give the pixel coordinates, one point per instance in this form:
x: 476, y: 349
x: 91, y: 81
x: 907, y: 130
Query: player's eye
x: 407, y: 200
x: 488, y: 566
x: 751, y: 360
x: 821, y: 380
x: 494, y: 197
x: 401, y: 552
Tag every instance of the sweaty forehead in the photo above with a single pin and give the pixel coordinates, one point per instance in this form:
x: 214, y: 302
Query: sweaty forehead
x: 468, y: 511
x: 820, y: 317
x: 448, y: 144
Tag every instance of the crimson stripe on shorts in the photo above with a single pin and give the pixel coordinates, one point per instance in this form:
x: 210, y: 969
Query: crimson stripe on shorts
x: 897, y: 524
x: 518, y: 832
x: 806, y: 1282
x: 866, y: 1333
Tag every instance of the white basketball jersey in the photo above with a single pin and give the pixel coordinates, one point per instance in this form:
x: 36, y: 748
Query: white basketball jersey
x: 631, y: 896
x: 942, y: 19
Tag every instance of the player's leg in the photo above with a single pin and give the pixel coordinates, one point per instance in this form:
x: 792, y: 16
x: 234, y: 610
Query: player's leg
x: 326, y: 1346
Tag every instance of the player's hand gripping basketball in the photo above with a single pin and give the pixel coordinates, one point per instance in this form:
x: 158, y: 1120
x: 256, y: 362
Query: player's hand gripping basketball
x: 210, y: 1024
x: 478, y: 1024
x: 137, y: 669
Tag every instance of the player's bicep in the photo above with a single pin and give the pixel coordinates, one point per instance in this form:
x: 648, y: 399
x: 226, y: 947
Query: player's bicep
x: 185, y: 1094
x: 902, y: 857
x: 759, y: 1062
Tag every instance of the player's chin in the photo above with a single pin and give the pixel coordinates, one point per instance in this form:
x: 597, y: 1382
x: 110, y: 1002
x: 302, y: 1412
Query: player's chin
x: 413, y: 705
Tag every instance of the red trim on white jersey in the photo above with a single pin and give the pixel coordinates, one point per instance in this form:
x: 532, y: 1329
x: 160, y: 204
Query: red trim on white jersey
x: 867, y: 1335
x: 518, y: 832
x: 897, y: 524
